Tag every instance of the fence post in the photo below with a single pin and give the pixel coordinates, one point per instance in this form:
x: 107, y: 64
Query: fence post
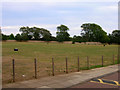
x: 78, y: 65
x: 113, y: 59
x: 35, y: 63
x: 13, y: 62
x: 87, y: 62
x: 102, y: 61
x: 53, y: 67
x: 66, y: 66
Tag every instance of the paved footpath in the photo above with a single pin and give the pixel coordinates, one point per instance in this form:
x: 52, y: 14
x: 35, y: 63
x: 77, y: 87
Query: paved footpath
x: 66, y: 80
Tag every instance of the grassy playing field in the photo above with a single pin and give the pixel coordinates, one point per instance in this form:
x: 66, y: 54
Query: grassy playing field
x: 24, y: 58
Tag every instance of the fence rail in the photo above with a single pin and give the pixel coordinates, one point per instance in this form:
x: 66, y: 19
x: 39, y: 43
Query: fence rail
x: 66, y: 66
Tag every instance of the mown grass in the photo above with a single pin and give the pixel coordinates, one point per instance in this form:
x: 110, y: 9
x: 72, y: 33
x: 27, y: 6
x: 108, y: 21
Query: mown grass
x: 43, y: 52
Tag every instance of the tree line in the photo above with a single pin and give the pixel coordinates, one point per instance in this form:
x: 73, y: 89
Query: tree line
x: 90, y: 33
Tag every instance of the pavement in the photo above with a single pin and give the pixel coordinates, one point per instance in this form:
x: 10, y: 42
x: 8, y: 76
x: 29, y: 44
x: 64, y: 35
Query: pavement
x: 65, y: 80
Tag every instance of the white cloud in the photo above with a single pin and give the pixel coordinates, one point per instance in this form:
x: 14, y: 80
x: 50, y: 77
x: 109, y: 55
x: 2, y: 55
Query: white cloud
x: 73, y: 26
x: 104, y: 15
x: 106, y: 9
x: 10, y: 29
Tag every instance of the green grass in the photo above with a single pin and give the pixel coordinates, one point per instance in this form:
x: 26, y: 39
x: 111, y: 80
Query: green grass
x: 24, y: 58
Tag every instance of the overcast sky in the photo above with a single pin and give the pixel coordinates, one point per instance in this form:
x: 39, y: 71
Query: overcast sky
x: 49, y: 14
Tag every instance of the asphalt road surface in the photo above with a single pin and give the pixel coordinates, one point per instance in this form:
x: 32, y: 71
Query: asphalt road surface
x: 114, y: 77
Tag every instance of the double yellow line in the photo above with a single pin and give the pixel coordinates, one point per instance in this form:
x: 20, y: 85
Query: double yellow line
x: 104, y: 81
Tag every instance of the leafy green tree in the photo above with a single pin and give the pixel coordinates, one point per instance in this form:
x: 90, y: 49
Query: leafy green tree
x: 24, y: 37
x: 46, y: 34
x: 25, y: 30
x: 29, y: 32
x: 104, y: 39
x: 4, y: 37
x: 53, y: 38
x: 35, y: 33
x: 93, y: 32
x: 115, y: 36
x: 62, y: 34
x: 77, y: 39
x: 11, y: 37
x: 111, y: 39
x: 21, y: 37
x: 30, y: 37
x: 18, y: 37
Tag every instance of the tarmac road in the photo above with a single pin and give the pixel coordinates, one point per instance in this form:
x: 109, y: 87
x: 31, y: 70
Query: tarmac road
x: 115, y: 77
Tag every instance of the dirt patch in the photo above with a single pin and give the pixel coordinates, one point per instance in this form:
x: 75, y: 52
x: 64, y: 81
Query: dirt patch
x: 66, y: 42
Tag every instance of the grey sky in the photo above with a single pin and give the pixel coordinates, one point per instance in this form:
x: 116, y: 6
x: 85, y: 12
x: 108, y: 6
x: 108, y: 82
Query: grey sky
x: 50, y: 14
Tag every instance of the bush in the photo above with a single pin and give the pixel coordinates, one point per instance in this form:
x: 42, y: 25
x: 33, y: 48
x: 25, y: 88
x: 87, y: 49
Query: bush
x: 22, y: 37
x: 4, y: 37
x: 73, y: 42
x: 18, y: 37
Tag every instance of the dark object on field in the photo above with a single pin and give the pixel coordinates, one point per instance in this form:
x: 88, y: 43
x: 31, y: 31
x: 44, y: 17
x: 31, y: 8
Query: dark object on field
x: 104, y: 45
x: 15, y: 49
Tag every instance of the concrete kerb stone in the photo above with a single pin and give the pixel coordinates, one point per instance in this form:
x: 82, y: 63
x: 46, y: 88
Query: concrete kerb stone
x: 57, y: 85
x: 17, y: 85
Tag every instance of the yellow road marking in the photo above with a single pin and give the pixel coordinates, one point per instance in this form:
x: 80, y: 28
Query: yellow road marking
x: 116, y: 83
x: 108, y: 80
x: 104, y: 83
x: 113, y: 81
x: 100, y: 81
